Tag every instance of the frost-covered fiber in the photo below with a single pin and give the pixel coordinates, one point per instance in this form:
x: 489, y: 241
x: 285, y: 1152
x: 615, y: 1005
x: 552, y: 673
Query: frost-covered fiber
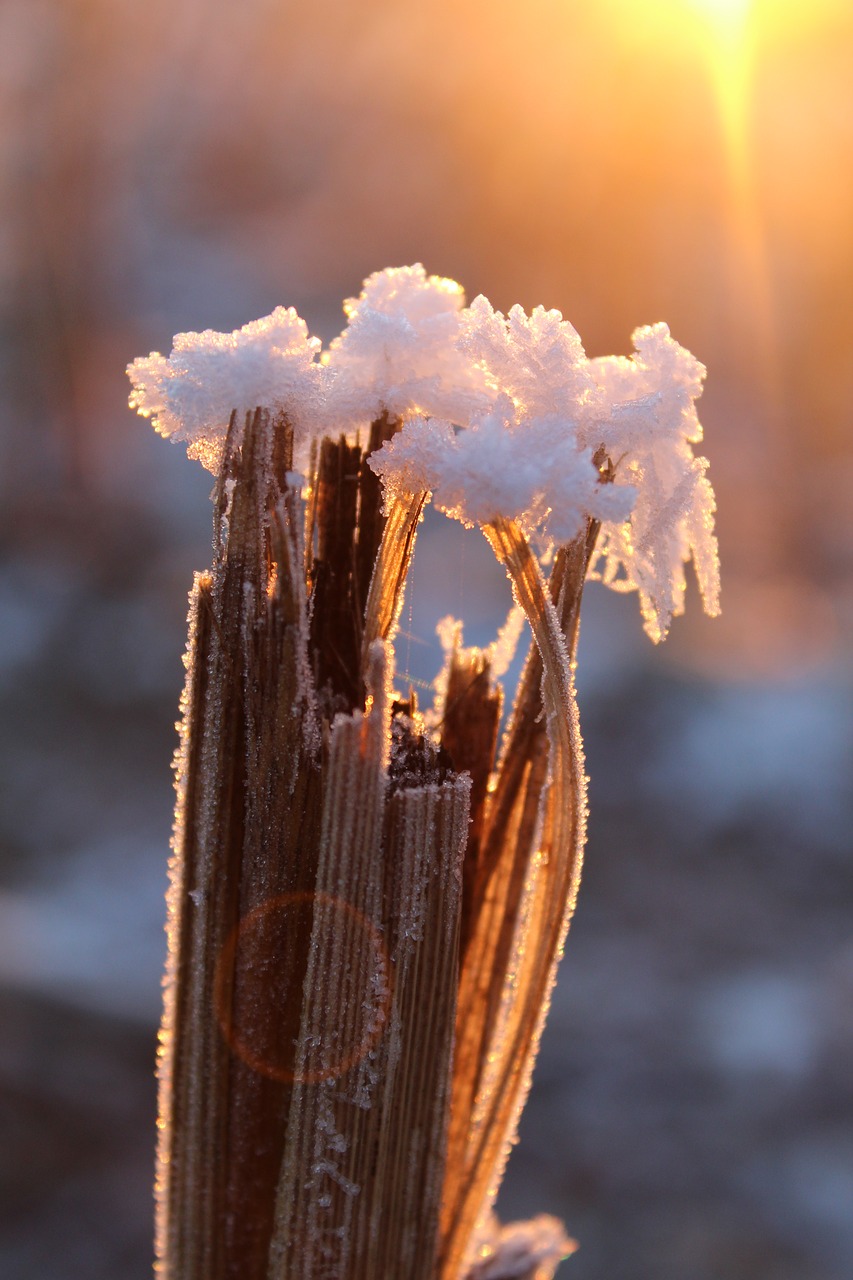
x: 502, y: 417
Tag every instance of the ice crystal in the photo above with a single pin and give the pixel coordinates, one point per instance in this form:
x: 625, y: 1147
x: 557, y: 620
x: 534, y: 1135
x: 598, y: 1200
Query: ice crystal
x: 504, y: 416
x: 521, y: 1250
x: 528, y: 469
x: 502, y: 649
x: 528, y: 456
x: 400, y: 352
x: 536, y: 360
x: 650, y: 430
x: 271, y: 362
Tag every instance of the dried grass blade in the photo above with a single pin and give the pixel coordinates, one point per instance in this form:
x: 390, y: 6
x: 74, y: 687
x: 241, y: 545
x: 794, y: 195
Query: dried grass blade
x: 385, y: 596
x: 527, y: 906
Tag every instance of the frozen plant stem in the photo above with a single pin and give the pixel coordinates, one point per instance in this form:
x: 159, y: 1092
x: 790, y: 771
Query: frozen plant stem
x: 314, y: 911
x: 367, y: 905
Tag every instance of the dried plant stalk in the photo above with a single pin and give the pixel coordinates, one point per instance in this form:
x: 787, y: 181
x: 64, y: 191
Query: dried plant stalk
x: 385, y: 597
x: 315, y: 899
x: 525, y: 874
x: 308, y: 1083
x: 247, y: 830
x: 361, y: 1151
x: 364, y: 920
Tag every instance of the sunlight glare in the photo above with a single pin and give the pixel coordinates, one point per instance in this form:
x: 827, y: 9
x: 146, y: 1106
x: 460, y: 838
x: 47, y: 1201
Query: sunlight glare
x: 731, y: 56
x: 729, y: 14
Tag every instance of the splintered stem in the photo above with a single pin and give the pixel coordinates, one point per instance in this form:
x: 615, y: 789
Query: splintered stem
x: 365, y: 1144
x: 337, y: 1095
x: 315, y: 896
x: 385, y: 598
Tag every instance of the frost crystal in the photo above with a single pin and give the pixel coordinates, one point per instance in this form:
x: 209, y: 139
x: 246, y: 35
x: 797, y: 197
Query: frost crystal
x: 520, y: 456
x: 399, y: 353
x: 537, y: 360
x: 504, y: 417
x: 505, y: 464
x: 271, y: 362
x: 528, y: 456
x: 650, y: 429
x: 521, y: 1250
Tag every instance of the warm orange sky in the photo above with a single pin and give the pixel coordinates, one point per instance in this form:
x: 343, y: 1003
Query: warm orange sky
x: 179, y: 167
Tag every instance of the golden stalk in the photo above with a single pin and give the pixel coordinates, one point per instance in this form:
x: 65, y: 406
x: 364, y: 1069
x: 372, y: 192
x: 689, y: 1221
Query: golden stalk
x: 314, y: 902
x: 363, y: 924
x: 526, y: 879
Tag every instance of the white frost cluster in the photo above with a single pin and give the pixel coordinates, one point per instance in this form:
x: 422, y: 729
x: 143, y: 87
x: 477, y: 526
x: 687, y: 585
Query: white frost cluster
x: 503, y: 416
x: 520, y: 453
x: 400, y: 352
x: 651, y: 428
x: 527, y: 454
x: 190, y: 396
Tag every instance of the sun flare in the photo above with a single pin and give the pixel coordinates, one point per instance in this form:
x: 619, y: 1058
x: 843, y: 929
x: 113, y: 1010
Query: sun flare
x: 724, y: 13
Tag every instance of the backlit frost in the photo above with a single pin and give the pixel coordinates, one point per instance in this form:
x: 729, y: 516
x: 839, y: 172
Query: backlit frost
x: 190, y: 396
x: 503, y: 416
x: 651, y: 429
x: 521, y: 1250
x: 400, y: 352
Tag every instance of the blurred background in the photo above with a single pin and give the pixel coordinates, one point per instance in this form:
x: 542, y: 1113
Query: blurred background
x: 188, y: 164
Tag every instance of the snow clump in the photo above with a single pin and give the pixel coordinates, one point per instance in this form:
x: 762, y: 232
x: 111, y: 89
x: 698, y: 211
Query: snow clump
x: 651, y: 427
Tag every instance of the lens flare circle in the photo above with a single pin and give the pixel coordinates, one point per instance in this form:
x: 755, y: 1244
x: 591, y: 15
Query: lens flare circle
x: 253, y: 947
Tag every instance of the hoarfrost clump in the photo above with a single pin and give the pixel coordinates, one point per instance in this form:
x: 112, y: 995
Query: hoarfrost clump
x: 271, y: 362
x: 400, y: 352
x: 521, y: 1250
x: 503, y: 417
x: 537, y: 360
x: 527, y: 469
x: 518, y: 456
x: 532, y: 455
x: 650, y: 430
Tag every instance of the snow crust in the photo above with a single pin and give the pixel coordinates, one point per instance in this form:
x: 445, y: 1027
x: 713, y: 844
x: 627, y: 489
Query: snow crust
x: 503, y: 416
